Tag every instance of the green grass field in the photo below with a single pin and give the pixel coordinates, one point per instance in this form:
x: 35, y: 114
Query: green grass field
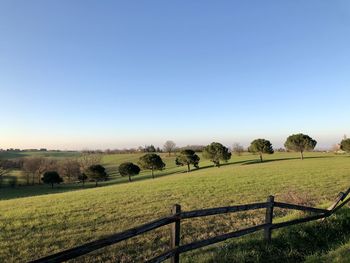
x: 111, y: 162
x: 50, y: 154
x: 36, y: 226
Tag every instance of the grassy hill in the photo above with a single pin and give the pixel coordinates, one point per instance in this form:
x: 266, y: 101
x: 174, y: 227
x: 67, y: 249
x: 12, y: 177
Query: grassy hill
x: 50, y: 154
x: 36, y: 226
x: 110, y: 161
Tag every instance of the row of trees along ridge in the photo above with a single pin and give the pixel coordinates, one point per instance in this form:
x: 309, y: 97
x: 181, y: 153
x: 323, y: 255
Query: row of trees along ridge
x: 88, y: 166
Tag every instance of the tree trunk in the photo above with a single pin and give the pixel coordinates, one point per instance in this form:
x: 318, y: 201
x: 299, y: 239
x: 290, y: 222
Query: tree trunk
x: 261, y: 159
x: 188, y: 167
x: 96, y: 183
x: 301, y: 155
x: 51, y: 185
x: 129, y: 178
x: 152, y: 174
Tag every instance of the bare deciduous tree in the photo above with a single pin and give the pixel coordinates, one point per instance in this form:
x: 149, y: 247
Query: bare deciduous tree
x: 88, y: 159
x: 70, y: 170
x: 237, y: 149
x: 30, y: 167
x: 169, y: 147
x: 3, y: 171
x: 36, y: 167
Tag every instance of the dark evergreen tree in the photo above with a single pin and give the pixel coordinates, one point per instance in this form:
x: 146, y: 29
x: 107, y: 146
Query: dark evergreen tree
x: 151, y: 161
x: 187, y: 157
x: 128, y: 169
x: 51, y: 177
x: 261, y: 146
x: 345, y: 145
x: 96, y: 173
x: 216, y: 152
x: 300, y: 143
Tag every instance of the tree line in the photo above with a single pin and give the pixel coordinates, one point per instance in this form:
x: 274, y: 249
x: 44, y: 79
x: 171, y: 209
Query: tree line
x: 38, y: 170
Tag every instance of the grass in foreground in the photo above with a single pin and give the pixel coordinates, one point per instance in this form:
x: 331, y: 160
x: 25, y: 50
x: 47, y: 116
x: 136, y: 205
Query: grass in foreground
x: 305, y: 242
x: 37, y: 226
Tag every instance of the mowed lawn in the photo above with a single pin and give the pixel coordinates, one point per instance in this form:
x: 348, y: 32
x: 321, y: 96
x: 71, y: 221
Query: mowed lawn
x: 36, y: 226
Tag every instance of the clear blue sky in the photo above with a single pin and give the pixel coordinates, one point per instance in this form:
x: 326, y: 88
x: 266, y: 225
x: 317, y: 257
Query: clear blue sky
x: 108, y: 74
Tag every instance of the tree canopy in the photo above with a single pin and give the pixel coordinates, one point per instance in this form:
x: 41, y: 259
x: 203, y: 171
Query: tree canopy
x: 345, y: 145
x: 261, y: 146
x: 151, y: 161
x: 51, y: 177
x: 128, y: 169
x: 70, y: 169
x: 216, y: 152
x: 96, y: 172
x: 82, y: 178
x: 150, y: 149
x: 300, y: 143
x: 187, y: 157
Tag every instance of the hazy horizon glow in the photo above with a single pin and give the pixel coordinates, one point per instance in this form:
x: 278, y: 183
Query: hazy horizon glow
x: 91, y: 75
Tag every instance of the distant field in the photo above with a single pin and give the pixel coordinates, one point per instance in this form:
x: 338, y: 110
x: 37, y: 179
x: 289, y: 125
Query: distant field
x: 110, y: 161
x: 12, y: 154
x: 17, y: 155
x: 36, y: 226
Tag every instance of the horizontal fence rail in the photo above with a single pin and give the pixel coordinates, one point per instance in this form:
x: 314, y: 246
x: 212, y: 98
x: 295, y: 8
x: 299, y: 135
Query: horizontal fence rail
x: 113, y: 239
x: 206, y: 242
x: 222, y: 210
x: 300, y: 207
x: 174, y: 221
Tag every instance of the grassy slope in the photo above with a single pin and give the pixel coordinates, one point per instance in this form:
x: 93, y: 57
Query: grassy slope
x: 18, y: 173
x: 36, y: 226
x: 11, y: 154
x: 305, y: 242
x: 111, y: 162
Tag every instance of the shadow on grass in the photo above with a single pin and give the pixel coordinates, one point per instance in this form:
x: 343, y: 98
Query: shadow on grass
x: 26, y: 191
x: 222, y: 164
x: 291, y: 244
x: 7, y: 193
x: 255, y: 161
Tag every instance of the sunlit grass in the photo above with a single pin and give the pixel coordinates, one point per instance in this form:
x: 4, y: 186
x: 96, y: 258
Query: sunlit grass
x: 36, y: 226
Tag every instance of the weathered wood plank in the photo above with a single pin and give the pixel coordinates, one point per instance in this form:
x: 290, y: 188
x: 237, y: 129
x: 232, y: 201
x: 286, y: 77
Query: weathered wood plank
x: 341, y: 196
x: 175, y: 233
x: 94, y: 245
x: 178, y: 215
x: 268, y: 218
x: 340, y: 206
x: 206, y: 242
x: 222, y: 210
x: 300, y: 207
x: 298, y: 221
x: 164, y: 256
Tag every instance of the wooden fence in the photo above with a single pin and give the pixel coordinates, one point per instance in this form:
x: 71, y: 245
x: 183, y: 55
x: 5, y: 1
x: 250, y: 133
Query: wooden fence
x: 174, y: 220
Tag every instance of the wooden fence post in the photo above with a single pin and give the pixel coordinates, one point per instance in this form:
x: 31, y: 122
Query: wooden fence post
x: 175, y: 233
x: 268, y: 218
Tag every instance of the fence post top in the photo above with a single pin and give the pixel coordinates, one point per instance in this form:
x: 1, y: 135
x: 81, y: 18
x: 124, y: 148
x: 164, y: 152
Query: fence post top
x: 176, y: 208
x: 271, y: 198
